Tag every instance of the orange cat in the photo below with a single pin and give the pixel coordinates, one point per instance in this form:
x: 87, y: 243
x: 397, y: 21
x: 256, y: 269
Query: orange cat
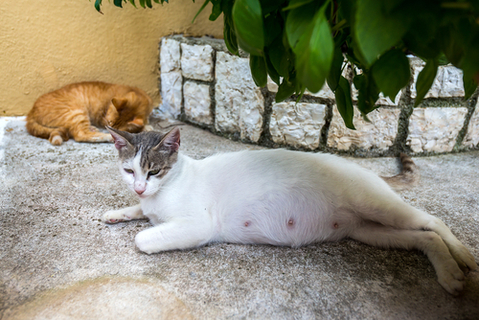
x: 70, y: 112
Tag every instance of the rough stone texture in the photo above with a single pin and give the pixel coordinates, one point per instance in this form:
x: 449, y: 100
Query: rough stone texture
x: 435, y: 129
x: 52, y: 197
x: 297, y: 125
x: 197, y: 102
x: 239, y: 109
x: 379, y: 133
x: 170, y: 78
x: 472, y: 136
x: 169, y: 55
x: 171, y: 92
x: 239, y: 103
x: 448, y: 82
x: 197, y: 62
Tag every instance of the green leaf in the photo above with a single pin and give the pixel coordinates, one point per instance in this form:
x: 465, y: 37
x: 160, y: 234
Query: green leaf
x: 368, y: 92
x: 375, y: 31
x: 391, y: 72
x: 268, y: 6
x: 142, y: 3
x: 148, y: 4
x: 216, y: 11
x: 258, y: 70
x: 248, y: 22
x: 293, y: 4
x: 344, y: 102
x: 425, y: 80
x: 285, y: 90
x: 133, y: 3
x: 118, y: 3
x: 470, y: 86
x: 201, y: 9
x: 270, y: 68
x: 298, y: 22
x: 278, y: 56
x: 314, y: 52
x: 336, y: 67
x: 98, y: 6
x: 229, y: 33
x: 272, y: 28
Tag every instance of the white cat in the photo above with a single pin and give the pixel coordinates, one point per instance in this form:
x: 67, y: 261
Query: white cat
x: 276, y: 197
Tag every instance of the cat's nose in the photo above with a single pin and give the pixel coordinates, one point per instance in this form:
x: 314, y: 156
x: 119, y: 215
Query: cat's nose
x: 139, y: 190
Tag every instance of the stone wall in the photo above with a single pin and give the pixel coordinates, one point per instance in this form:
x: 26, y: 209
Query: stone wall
x: 203, y: 84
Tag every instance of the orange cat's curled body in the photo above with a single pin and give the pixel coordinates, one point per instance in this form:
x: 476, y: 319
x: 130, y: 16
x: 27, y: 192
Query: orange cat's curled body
x: 76, y: 109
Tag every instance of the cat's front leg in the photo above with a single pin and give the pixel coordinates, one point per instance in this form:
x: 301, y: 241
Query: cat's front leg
x: 174, y: 235
x: 125, y: 214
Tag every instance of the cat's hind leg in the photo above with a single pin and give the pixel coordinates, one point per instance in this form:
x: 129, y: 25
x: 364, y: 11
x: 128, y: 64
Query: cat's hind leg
x: 396, y: 213
x: 449, y: 274
x: 81, y: 131
x: 125, y: 214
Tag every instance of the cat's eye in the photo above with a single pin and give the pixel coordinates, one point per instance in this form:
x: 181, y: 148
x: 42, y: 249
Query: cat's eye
x: 154, y: 172
x: 128, y: 171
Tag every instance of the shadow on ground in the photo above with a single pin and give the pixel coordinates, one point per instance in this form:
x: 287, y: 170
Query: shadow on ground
x: 58, y: 261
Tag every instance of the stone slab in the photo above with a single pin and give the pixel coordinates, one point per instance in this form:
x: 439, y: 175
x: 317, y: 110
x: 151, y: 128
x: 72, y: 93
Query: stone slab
x: 435, y: 129
x: 197, y: 62
x: 169, y: 55
x: 297, y: 125
x: 239, y: 102
x: 378, y: 134
x: 171, y: 92
x: 198, y: 102
x: 472, y: 136
x: 447, y: 84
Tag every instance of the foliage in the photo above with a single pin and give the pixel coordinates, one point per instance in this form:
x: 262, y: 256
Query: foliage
x: 301, y: 44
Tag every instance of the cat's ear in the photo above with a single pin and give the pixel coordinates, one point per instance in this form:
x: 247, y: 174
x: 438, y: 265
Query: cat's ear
x: 171, y: 141
x: 119, y: 103
x: 120, y: 137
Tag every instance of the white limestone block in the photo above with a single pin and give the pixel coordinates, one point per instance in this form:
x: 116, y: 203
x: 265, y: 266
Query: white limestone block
x: 197, y: 62
x: 435, y: 129
x: 472, y: 136
x: 379, y: 133
x: 171, y: 92
x: 197, y: 102
x: 447, y: 84
x: 298, y: 125
x: 239, y: 102
x: 169, y: 55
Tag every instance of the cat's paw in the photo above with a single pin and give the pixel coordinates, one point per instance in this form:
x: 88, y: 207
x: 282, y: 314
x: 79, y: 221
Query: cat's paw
x: 451, y: 277
x: 463, y: 257
x: 102, y: 137
x: 148, y: 128
x: 114, y: 216
x: 144, y: 243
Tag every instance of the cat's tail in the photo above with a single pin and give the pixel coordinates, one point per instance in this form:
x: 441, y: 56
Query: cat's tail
x: 56, y: 136
x: 408, y: 177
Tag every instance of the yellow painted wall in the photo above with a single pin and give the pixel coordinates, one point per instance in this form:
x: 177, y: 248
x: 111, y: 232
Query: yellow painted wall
x: 47, y: 44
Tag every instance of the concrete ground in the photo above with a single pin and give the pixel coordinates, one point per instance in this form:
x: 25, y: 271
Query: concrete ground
x: 58, y: 261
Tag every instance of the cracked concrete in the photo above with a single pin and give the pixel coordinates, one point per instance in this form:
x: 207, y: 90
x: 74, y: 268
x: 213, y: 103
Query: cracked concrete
x: 58, y: 261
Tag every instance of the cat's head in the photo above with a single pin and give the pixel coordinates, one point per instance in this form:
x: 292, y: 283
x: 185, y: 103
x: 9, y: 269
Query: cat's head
x: 133, y: 110
x: 146, y: 158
